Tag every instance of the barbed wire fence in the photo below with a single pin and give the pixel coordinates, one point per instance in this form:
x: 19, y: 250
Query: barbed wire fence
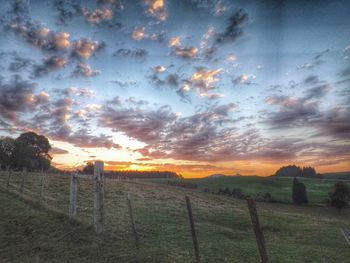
x: 83, y: 198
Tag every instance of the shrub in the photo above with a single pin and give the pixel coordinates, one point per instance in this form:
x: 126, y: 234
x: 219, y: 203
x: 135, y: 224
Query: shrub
x: 267, y: 197
x: 340, y: 196
x: 299, y: 193
x: 183, y: 184
x: 237, y: 193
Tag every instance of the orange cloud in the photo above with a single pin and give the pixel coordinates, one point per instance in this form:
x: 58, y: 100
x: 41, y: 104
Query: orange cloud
x: 174, y: 42
x: 138, y: 33
x: 156, y: 8
x: 186, y: 52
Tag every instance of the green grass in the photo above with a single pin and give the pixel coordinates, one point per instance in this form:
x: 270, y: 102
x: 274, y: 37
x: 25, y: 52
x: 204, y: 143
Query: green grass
x: 29, y: 233
x: 279, y: 187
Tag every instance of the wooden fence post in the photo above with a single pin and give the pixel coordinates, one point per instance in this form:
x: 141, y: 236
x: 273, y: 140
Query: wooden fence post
x: 73, y: 196
x: 193, y: 230
x: 9, y: 173
x: 43, y: 183
x: 133, y: 222
x: 24, y: 173
x: 99, y: 196
x: 260, y: 240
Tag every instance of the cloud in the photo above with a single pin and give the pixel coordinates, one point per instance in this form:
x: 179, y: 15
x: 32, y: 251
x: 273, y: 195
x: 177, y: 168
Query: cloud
x: 20, y: 63
x: 174, y: 42
x: 125, y: 84
x: 134, y: 53
x: 40, y: 36
x: 317, y: 92
x: 82, y: 138
x: 85, y: 70
x: 56, y: 151
x: 168, y: 135
x: 334, y: 122
x: 186, y: 52
x: 16, y: 96
x: 316, y: 61
x: 139, y: 33
x: 57, y: 42
x: 292, y: 112
x: 66, y: 10
x: 73, y: 91
x: 156, y: 8
x: 137, y: 123
x: 50, y: 64
x: 244, y: 80
x: 233, y: 30
x: 159, y: 69
x: 97, y: 16
x: 84, y: 48
x: 204, y: 79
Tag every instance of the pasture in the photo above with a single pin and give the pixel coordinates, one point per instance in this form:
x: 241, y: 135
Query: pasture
x: 30, y: 233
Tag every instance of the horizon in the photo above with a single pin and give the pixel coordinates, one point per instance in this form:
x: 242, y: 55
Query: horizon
x: 193, y: 87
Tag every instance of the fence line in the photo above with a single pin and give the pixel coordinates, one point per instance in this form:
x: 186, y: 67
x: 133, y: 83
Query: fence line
x: 97, y: 198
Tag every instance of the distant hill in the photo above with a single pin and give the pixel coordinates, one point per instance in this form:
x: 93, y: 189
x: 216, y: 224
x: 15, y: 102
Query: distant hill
x: 335, y: 176
x: 216, y: 175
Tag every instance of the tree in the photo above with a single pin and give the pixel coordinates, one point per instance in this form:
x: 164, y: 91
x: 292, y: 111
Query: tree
x: 340, y: 196
x: 309, y: 172
x: 296, y: 171
x: 88, y: 168
x: 290, y: 170
x: 299, y: 193
x: 7, y: 146
x: 32, y: 151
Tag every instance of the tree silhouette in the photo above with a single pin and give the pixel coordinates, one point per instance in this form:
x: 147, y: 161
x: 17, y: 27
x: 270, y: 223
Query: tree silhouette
x: 88, y: 168
x: 299, y: 193
x: 309, y: 172
x: 296, y: 171
x: 7, y: 146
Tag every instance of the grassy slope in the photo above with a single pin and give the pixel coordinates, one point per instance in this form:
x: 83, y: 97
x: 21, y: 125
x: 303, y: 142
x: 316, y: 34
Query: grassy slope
x: 339, y: 175
x: 28, y: 233
x: 279, y: 187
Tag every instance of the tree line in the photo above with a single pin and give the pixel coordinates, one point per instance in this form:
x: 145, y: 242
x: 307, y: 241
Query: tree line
x: 296, y: 171
x: 28, y: 150
x: 89, y: 169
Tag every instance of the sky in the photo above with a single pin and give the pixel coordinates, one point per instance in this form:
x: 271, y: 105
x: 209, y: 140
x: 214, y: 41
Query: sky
x: 192, y: 86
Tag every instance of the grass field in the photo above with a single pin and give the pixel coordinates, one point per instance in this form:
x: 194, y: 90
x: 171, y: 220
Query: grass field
x: 30, y: 233
x: 279, y: 187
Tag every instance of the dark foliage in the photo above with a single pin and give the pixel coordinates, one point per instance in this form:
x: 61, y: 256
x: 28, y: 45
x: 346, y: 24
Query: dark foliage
x: 296, y: 171
x: 29, y: 150
x: 88, y: 168
x: 140, y: 174
x: 299, y: 193
x: 340, y: 196
x: 183, y: 184
x: 236, y: 192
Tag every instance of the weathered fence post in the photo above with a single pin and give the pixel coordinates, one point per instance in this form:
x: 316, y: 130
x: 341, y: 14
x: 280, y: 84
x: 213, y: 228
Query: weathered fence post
x: 99, y: 196
x: 73, y: 196
x: 24, y: 173
x: 193, y: 230
x: 9, y: 173
x: 260, y: 240
x: 133, y: 222
x: 43, y: 183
